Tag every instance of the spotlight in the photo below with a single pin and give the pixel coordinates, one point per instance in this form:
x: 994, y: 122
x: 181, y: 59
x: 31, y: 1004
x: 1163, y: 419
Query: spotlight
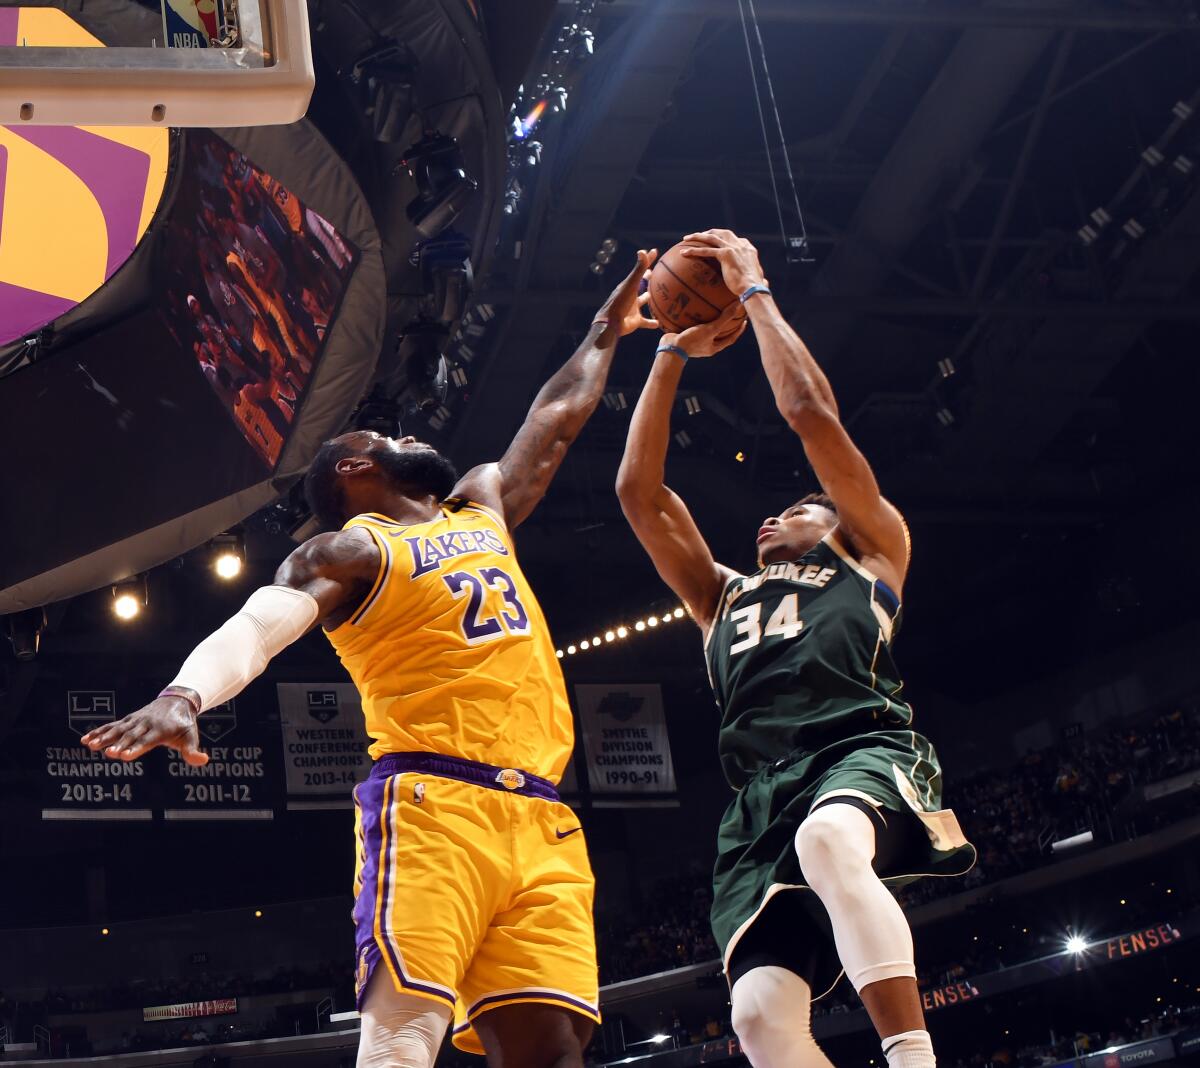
x: 446, y: 276
x: 384, y: 77
x: 678, y: 613
x: 128, y: 599
x: 25, y: 632
x: 426, y: 375
x: 610, y: 635
x: 640, y: 625
x: 435, y: 164
x: 652, y: 621
x: 658, y: 1040
x: 622, y: 632
x: 229, y: 555
x: 570, y: 650
x: 585, y: 644
x: 1076, y: 944
x: 558, y: 653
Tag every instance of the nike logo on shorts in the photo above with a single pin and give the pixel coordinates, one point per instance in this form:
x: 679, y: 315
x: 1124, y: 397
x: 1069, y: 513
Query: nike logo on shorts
x: 567, y: 834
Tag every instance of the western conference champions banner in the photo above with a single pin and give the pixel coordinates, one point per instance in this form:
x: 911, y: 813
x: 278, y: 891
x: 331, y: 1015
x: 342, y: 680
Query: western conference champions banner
x: 625, y: 739
x: 324, y: 743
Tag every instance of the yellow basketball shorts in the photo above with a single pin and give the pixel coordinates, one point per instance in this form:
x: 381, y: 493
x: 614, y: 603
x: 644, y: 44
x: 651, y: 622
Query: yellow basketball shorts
x: 472, y: 886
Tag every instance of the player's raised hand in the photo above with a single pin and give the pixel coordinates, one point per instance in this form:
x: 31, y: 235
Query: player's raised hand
x: 165, y: 721
x: 738, y: 257
x: 710, y: 338
x: 623, y: 309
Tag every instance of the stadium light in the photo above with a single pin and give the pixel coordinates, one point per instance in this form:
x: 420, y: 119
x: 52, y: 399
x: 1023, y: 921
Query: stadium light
x: 128, y: 599
x: 229, y: 556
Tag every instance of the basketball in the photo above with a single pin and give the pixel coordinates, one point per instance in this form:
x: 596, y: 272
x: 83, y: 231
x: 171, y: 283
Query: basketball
x: 687, y: 290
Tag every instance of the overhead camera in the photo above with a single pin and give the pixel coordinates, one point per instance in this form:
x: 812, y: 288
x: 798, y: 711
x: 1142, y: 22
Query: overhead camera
x: 435, y: 164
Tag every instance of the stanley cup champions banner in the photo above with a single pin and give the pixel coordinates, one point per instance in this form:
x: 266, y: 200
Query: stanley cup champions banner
x: 324, y: 743
x: 625, y: 739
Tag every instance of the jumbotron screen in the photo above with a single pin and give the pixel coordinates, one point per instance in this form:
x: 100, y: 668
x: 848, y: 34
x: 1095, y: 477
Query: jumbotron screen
x: 191, y: 397
x: 253, y: 279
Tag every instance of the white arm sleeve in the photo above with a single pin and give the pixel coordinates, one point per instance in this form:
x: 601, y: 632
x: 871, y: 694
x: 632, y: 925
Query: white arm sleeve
x: 224, y: 663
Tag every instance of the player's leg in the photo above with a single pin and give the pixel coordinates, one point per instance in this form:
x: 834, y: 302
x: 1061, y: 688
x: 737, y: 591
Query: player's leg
x: 529, y: 998
x: 533, y: 1036
x: 836, y: 846
x: 772, y: 1010
x: 399, y: 1030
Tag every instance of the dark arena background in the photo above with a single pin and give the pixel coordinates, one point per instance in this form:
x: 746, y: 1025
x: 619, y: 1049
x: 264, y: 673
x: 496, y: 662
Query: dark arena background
x: 982, y: 217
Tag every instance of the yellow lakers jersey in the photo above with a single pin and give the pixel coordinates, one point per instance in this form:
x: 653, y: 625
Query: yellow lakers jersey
x: 450, y: 651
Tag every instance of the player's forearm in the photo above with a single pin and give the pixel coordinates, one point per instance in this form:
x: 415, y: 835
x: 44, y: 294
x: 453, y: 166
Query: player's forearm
x: 800, y: 386
x: 222, y: 665
x: 575, y: 389
x: 643, y: 467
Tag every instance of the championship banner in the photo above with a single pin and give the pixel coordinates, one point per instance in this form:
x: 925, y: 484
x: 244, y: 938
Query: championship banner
x: 324, y: 743
x: 80, y: 784
x: 235, y: 784
x: 190, y: 1010
x: 625, y: 739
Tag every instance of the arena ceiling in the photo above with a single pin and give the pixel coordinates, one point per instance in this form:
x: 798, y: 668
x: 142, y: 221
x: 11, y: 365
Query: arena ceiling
x: 947, y: 158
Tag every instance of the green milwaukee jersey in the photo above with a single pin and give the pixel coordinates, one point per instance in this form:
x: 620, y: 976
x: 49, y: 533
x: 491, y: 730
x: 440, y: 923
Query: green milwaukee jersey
x: 799, y: 656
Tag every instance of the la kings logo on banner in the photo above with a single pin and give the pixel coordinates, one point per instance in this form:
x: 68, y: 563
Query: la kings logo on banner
x: 87, y: 709
x: 323, y: 705
x: 218, y: 721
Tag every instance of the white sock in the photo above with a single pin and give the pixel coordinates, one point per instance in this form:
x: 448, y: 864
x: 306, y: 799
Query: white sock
x: 909, y: 1049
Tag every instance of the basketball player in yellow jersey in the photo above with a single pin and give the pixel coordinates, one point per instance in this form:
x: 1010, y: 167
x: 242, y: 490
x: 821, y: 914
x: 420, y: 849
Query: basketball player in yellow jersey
x: 473, y: 892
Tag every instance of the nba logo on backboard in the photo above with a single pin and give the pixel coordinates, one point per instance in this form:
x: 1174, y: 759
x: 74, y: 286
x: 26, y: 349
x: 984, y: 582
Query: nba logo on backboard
x: 90, y: 708
x: 322, y: 705
x: 191, y: 23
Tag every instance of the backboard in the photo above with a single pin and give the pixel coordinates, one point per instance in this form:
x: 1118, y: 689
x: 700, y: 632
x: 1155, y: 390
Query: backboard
x: 222, y: 63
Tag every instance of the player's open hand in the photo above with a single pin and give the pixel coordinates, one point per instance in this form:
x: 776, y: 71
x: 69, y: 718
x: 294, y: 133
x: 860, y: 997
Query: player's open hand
x: 165, y: 721
x: 624, y: 309
x: 710, y: 338
x: 738, y: 257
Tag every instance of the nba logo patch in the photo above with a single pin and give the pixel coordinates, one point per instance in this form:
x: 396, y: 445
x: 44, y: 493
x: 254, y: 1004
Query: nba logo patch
x: 191, y: 23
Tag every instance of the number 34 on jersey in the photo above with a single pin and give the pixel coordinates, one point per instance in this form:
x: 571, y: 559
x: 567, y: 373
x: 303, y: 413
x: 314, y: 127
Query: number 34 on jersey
x: 749, y: 629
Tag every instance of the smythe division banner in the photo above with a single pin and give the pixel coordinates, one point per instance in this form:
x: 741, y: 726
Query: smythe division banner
x: 625, y: 739
x: 324, y: 743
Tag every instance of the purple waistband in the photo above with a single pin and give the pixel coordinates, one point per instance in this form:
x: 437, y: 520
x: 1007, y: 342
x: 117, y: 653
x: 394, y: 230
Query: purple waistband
x: 506, y: 780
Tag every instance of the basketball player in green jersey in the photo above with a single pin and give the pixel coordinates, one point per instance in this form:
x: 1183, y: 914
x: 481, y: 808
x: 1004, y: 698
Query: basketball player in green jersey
x: 836, y: 794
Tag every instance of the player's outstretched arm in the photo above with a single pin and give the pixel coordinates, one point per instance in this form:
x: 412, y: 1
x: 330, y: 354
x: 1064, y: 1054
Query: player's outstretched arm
x: 514, y: 485
x: 658, y: 516
x: 806, y: 401
x: 322, y: 580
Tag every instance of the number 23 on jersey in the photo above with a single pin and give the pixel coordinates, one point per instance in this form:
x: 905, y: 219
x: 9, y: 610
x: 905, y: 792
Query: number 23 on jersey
x: 478, y: 624
x: 784, y: 622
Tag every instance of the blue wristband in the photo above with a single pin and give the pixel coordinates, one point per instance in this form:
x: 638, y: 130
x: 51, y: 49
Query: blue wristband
x: 672, y: 348
x: 757, y: 288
